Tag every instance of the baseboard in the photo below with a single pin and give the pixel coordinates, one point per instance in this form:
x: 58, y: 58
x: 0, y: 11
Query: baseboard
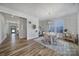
x: 23, y: 38
x: 3, y: 40
x: 34, y: 38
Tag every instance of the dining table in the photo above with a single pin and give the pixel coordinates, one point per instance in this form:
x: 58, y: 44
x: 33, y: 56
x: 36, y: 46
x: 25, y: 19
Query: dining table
x: 52, y: 36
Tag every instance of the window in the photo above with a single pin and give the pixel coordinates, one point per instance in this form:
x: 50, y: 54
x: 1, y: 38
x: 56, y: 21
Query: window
x: 13, y: 30
x: 56, y: 26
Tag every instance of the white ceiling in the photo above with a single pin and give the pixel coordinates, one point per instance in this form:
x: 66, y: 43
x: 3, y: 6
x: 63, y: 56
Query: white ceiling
x: 42, y: 10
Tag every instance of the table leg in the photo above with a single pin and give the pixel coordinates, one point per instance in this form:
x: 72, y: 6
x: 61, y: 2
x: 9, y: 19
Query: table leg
x: 51, y: 40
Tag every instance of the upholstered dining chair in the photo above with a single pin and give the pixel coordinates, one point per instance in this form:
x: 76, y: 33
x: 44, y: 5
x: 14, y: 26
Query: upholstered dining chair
x: 46, y: 38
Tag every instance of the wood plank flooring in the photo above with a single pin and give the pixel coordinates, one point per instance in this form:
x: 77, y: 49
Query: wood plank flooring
x: 25, y: 47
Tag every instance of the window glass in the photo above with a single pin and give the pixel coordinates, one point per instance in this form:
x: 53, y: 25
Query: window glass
x: 56, y: 26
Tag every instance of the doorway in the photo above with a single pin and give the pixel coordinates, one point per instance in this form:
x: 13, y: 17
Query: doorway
x: 13, y: 29
x: 13, y: 36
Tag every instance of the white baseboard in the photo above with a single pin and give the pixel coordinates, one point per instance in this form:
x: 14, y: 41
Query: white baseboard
x: 2, y: 40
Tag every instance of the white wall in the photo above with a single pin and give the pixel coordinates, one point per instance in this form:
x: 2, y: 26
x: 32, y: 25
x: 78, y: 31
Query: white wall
x: 23, y: 28
x: 2, y: 28
x: 30, y: 31
x: 44, y: 25
x: 1, y: 18
x: 78, y: 26
x: 70, y: 22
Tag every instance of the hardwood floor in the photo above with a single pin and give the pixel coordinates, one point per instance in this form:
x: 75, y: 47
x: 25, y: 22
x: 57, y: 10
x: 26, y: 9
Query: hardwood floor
x: 23, y: 47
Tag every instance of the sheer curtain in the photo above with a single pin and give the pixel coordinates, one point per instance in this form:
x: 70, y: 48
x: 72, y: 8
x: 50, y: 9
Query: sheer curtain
x: 56, y: 26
